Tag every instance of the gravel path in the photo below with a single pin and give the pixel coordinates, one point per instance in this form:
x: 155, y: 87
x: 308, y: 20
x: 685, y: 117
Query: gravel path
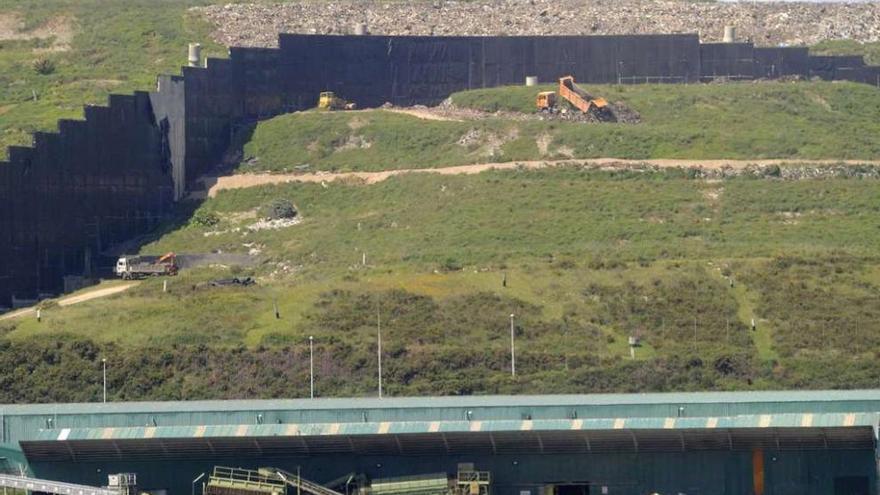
x: 213, y: 185
x: 80, y: 297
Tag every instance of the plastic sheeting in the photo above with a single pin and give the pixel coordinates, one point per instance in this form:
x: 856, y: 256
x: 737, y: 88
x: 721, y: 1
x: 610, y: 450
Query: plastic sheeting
x: 94, y: 183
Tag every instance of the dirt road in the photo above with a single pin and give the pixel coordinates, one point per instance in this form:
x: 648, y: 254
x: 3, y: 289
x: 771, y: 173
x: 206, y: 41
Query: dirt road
x: 84, y: 296
x: 213, y: 185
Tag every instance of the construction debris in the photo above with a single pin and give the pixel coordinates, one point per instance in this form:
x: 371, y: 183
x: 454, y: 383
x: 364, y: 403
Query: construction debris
x: 621, y: 113
x: 766, y: 24
x: 278, y: 223
x: 448, y: 111
x: 226, y: 282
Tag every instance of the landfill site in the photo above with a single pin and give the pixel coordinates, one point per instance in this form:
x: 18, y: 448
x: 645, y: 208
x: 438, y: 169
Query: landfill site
x: 154, y: 226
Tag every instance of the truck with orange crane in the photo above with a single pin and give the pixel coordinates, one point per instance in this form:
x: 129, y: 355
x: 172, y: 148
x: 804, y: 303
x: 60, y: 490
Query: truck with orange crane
x: 132, y: 267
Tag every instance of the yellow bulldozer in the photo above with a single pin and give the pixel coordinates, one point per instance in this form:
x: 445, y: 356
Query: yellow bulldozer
x: 329, y: 101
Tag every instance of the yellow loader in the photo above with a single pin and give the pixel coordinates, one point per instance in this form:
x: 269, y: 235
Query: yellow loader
x: 329, y: 101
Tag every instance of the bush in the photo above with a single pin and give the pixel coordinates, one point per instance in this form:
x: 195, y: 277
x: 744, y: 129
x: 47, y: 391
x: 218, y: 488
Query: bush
x: 279, y: 208
x: 205, y: 218
x: 772, y: 171
x: 43, y: 66
x: 451, y: 265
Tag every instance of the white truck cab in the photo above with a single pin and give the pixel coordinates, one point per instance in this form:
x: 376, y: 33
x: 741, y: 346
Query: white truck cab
x: 121, y: 266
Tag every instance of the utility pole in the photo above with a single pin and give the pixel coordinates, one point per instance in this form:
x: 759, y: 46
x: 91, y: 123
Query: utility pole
x: 104, y: 365
x: 311, y: 368
x: 379, y: 350
x: 512, y: 349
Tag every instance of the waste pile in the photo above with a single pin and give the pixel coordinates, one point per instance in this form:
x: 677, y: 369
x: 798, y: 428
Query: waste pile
x: 766, y: 24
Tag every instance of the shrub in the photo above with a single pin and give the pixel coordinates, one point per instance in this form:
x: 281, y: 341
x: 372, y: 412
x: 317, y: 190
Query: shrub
x: 205, y: 218
x: 773, y: 171
x: 451, y: 265
x: 43, y: 66
x: 279, y: 208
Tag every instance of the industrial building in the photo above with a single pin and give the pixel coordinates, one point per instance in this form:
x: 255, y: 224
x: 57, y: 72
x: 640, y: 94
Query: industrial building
x: 773, y: 443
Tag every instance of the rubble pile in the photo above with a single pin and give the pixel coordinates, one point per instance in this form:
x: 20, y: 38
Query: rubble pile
x: 766, y: 24
x: 615, y: 112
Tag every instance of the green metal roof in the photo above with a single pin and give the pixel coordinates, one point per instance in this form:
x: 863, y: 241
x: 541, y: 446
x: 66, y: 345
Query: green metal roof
x: 422, y: 414
x: 389, y: 428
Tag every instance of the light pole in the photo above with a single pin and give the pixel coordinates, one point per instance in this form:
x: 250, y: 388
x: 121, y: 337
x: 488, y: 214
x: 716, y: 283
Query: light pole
x: 104, y: 365
x: 512, y: 349
x: 379, y: 350
x: 311, y: 368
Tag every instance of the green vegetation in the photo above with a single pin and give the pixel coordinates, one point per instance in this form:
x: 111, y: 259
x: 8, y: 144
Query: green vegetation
x: 75, y: 52
x: 871, y: 51
x: 583, y: 258
x: 737, y: 121
x: 743, y: 120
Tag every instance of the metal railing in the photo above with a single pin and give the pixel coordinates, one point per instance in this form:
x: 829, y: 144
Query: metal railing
x: 474, y: 476
x: 303, y: 484
x: 49, y: 486
x: 253, y: 480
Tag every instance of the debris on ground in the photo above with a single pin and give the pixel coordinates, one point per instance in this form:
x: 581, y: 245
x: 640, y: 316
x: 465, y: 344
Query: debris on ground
x: 614, y: 112
x: 764, y: 23
x: 448, y: 111
x: 278, y: 223
x: 226, y: 282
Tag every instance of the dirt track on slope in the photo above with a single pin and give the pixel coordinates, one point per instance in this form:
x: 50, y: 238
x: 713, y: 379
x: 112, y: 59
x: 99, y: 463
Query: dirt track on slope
x: 213, y: 185
x: 74, y: 299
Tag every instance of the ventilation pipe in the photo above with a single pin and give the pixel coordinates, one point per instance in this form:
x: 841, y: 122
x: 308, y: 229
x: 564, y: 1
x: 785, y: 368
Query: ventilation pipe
x: 194, y: 57
x: 729, y: 34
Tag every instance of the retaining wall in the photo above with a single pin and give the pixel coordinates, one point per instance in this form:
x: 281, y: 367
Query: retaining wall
x: 116, y: 174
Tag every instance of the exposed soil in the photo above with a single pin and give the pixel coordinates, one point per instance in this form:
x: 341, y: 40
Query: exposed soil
x: 446, y: 111
x: 59, y: 29
x: 213, y: 185
x: 82, y: 296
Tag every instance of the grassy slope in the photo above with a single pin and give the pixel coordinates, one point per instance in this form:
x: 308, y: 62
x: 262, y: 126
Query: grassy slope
x: 119, y: 46
x: 871, y: 51
x: 745, y: 121
x: 590, y: 259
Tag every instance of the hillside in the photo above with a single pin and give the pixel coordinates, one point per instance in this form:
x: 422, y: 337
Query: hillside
x: 585, y: 257
x: 91, y: 48
x: 813, y: 120
x: 85, y: 56
x: 589, y: 257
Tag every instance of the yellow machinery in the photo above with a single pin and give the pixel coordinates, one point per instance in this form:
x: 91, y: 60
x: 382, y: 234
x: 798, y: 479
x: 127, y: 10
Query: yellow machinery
x: 471, y: 481
x: 329, y: 101
x: 577, y: 97
x: 546, y: 100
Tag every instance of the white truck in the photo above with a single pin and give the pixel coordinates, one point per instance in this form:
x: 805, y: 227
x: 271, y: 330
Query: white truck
x: 132, y: 267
